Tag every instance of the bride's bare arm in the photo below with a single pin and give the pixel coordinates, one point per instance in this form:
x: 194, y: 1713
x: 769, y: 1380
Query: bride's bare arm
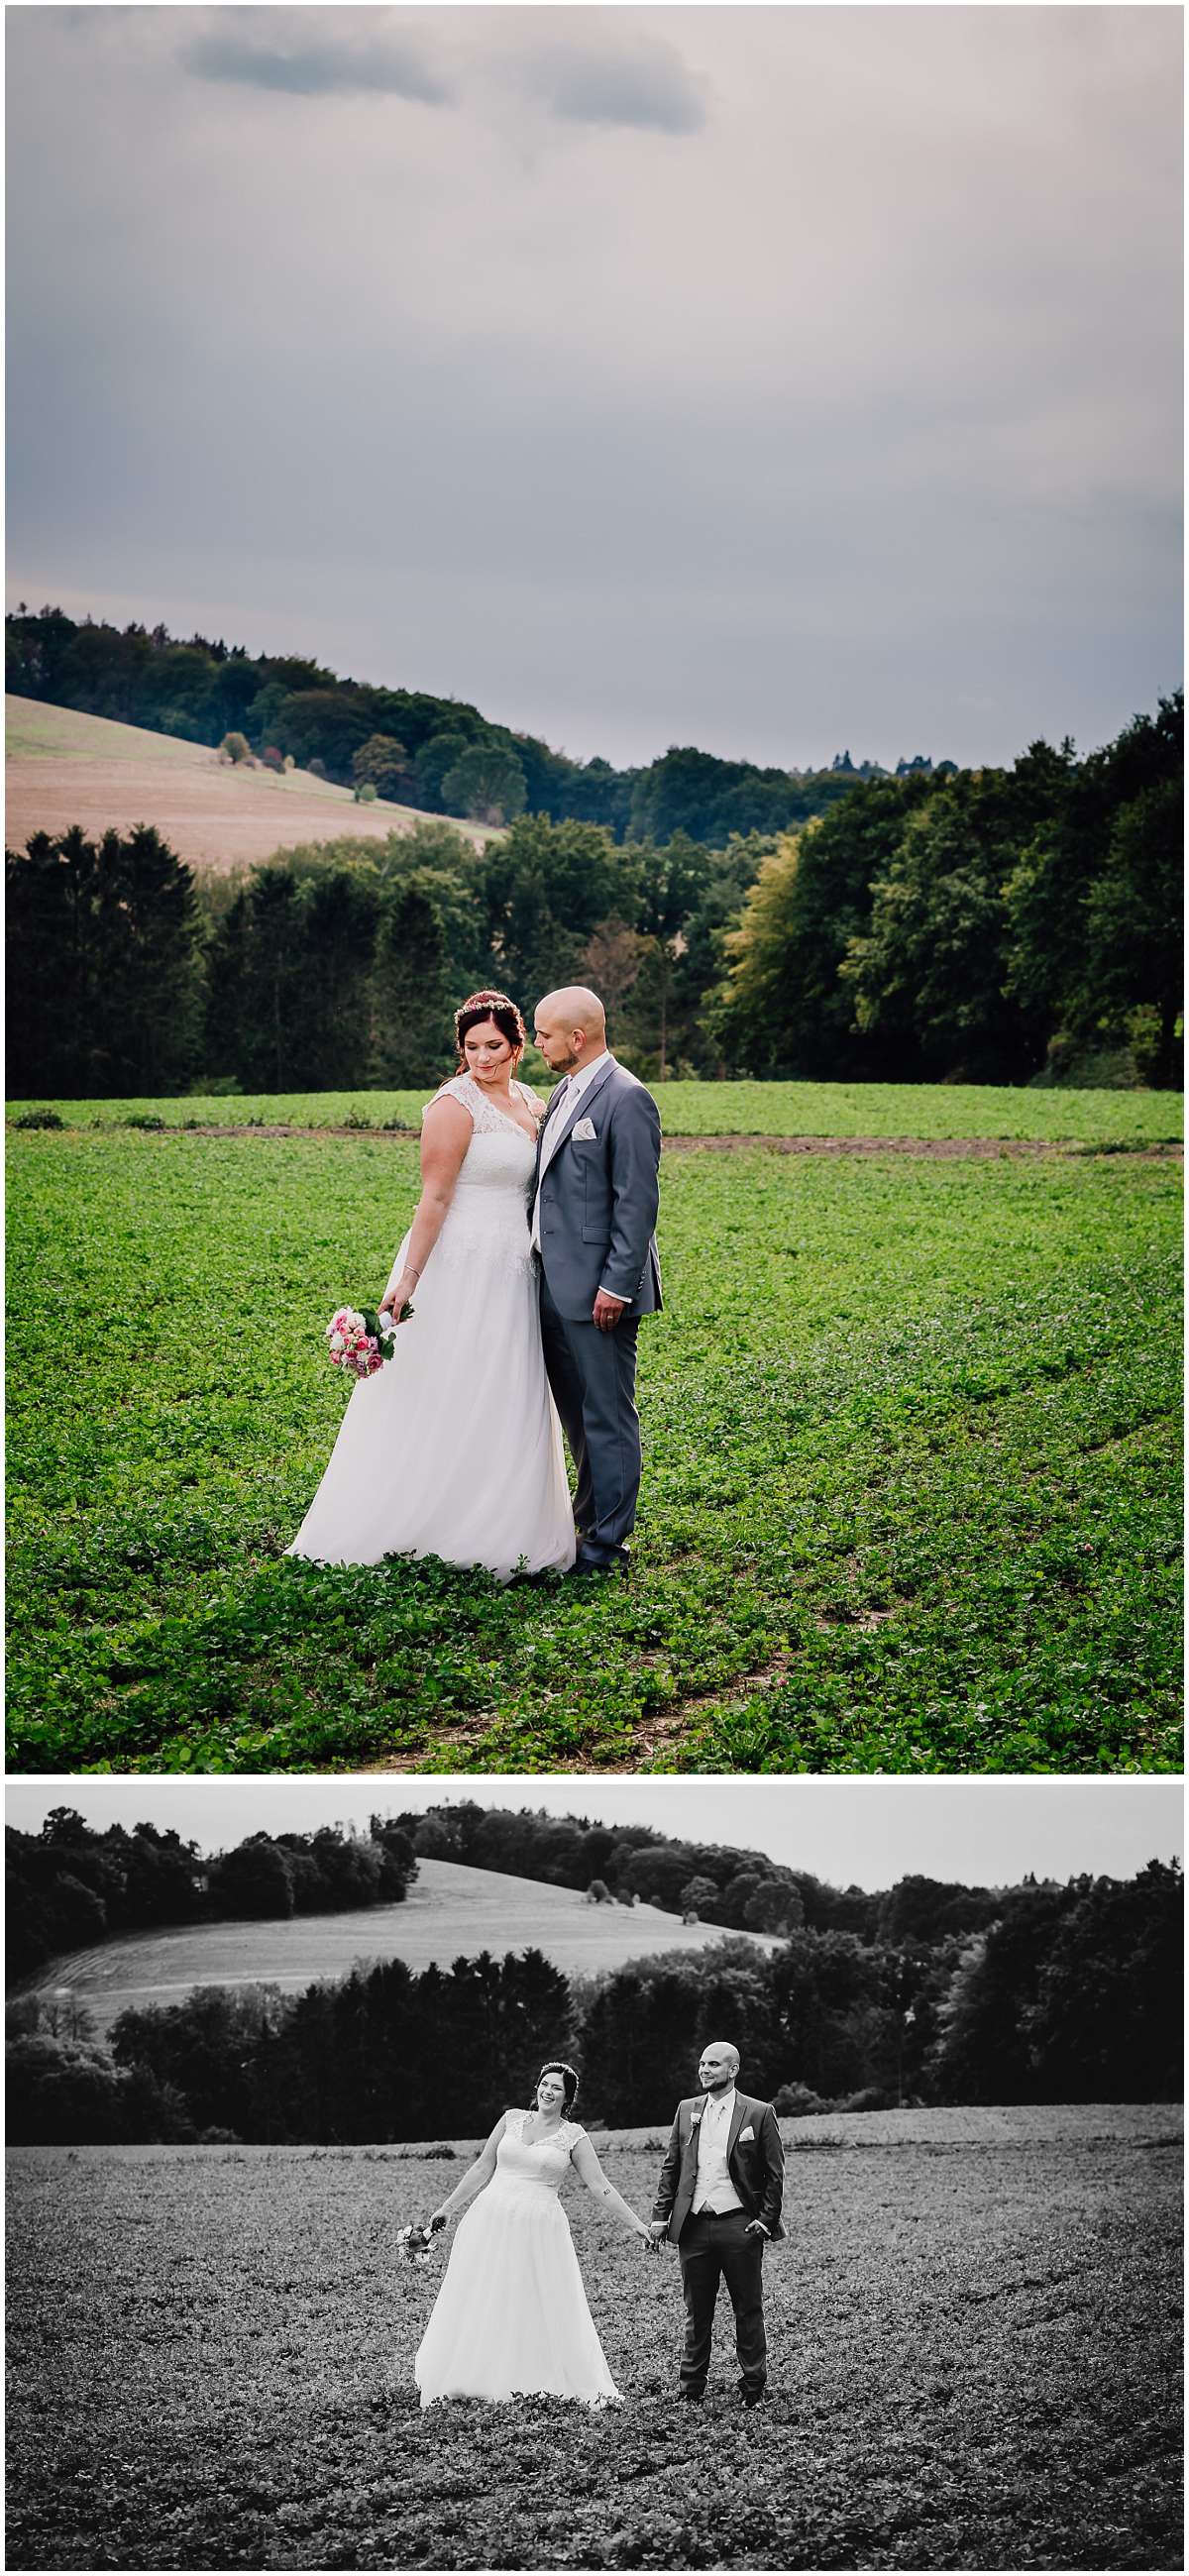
x: 586, y: 2163
x: 444, y: 1141
x: 477, y: 2174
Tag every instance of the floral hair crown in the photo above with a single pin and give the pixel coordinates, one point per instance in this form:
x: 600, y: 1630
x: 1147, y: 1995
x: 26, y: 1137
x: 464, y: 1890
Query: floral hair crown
x: 486, y: 1001
x: 557, y: 2066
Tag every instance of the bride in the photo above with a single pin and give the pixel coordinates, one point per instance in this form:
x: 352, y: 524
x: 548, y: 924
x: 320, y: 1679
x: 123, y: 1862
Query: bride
x: 453, y: 1448
x: 511, y: 2318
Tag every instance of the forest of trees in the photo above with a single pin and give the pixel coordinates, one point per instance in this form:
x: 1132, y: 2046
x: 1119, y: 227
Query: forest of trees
x: 70, y: 1886
x: 435, y: 753
x: 735, y: 1889
x: 928, y: 1991
x: 989, y: 926
x: 996, y: 924
x: 1069, y: 1993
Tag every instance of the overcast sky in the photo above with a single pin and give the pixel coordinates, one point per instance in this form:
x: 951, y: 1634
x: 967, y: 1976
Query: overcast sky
x: 775, y: 379
x: 864, y: 1833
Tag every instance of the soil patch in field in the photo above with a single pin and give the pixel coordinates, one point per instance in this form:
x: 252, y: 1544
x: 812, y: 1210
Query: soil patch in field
x: 931, y: 1149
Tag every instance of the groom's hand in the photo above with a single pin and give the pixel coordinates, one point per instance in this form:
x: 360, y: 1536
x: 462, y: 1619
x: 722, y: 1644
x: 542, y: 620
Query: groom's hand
x: 657, y: 2228
x: 607, y: 1310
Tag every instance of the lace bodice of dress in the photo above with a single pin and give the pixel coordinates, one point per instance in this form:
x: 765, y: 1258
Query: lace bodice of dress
x: 489, y: 1208
x: 486, y: 1118
x: 544, y: 2161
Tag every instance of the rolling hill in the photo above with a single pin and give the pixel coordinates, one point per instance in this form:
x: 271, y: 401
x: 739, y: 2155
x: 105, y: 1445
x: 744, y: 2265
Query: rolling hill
x: 64, y: 768
x: 450, y: 1912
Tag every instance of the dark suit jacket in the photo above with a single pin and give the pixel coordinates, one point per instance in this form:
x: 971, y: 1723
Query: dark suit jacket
x: 599, y: 1197
x: 755, y: 2163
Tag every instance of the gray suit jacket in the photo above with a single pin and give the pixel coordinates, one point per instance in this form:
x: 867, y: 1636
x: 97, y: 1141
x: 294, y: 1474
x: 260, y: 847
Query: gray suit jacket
x: 599, y: 1197
x: 755, y: 2162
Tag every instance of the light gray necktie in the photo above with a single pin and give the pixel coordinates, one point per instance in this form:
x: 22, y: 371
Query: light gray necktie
x: 556, y: 1113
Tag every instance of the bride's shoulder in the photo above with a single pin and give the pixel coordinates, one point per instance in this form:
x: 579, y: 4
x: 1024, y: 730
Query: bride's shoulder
x: 570, y: 2132
x: 460, y: 1087
x: 532, y: 1099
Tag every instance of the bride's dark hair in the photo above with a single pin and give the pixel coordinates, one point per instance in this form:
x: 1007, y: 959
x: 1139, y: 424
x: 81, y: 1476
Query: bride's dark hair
x: 557, y: 2066
x: 488, y: 1006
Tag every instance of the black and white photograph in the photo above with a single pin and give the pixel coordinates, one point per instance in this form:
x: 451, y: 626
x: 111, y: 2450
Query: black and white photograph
x: 686, y: 2174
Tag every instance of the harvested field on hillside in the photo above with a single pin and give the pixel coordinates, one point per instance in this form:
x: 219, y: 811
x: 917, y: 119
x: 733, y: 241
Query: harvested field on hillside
x: 451, y: 1911
x: 65, y: 768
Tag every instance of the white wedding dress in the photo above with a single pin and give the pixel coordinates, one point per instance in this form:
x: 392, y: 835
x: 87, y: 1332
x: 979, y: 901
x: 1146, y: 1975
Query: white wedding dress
x: 454, y: 1447
x: 511, y: 2318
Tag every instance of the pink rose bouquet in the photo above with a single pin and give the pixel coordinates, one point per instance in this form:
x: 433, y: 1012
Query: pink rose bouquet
x: 414, y: 2245
x: 360, y: 1338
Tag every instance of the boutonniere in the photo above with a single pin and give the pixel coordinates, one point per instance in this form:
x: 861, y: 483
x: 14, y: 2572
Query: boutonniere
x: 584, y: 1131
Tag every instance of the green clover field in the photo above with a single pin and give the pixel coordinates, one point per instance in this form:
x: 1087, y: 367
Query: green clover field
x: 911, y: 1438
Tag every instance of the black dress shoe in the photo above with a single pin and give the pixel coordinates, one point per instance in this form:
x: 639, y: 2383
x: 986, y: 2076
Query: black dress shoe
x: 754, y: 2396
x: 691, y: 2396
x: 591, y: 1565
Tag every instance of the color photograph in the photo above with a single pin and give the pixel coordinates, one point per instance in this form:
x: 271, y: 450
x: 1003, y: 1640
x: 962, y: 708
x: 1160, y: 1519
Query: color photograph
x: 594, y: 890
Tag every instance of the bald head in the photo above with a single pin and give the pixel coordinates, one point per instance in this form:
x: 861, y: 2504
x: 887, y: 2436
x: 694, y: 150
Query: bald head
x: 570, y: 1027
x: 718, y: 2066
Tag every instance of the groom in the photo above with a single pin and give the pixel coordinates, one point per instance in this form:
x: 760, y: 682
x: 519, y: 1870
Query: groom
x: 718, y: 2200
x: 593, y: 1211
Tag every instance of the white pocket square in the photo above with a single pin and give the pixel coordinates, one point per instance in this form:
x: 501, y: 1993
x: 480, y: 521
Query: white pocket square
x: 583, y: 1130
x: 748, y: 2132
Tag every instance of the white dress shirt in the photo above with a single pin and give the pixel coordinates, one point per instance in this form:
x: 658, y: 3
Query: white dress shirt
x: 714, y: 2188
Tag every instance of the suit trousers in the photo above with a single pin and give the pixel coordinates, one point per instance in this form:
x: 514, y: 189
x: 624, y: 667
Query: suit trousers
x: 713, y: 2250
x: 593, y: 1378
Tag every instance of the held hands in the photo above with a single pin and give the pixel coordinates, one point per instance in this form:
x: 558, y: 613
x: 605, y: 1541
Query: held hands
x: 441, y: 2218
x: 658, y: 2230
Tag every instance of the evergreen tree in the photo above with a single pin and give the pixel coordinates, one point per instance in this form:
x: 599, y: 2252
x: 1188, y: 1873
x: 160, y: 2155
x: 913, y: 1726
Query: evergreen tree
x: 104, y: 970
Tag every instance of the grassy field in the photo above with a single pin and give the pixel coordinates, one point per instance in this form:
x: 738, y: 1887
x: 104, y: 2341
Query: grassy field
x: 911, y: 1435
x: 974, y: 2362
x: 1100, y: 1121
x: 63, y: 767
x: 450, y: 1912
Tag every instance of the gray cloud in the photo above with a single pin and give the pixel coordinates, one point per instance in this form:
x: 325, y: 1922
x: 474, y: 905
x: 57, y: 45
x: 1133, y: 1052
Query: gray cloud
x: 285, y: 58
x: 634, y: 85
x: 855, y: 421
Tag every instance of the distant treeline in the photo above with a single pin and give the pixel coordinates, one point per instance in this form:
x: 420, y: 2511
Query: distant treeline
x: 738, y: 1890
x: 436, y: 753
x: 68, y: 1886
x: 991, y: 925
x: 1069, y: 1993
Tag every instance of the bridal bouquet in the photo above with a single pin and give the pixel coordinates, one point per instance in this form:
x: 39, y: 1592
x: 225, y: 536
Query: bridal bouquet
x: 360, y: 1338
x: 413, y: 2244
